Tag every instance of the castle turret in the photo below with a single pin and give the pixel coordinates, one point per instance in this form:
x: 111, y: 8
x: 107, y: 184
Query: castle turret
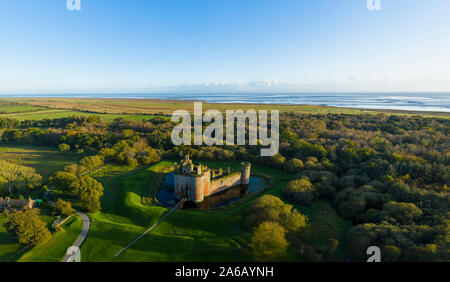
x: 245, y: 173
x: 197, y: 189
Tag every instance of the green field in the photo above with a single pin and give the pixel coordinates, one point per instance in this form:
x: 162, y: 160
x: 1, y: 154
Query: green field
x: 157, y: 106
x: 45, y: 160
x: 53, y: 114
x: 9, y: 107
x: 138, y: 109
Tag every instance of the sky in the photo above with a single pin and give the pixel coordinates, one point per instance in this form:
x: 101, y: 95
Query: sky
x: 127, y: 46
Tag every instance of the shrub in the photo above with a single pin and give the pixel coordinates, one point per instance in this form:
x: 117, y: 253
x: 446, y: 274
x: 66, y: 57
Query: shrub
x: 63, y: 147
x: 269, y: 240
x: 300, y: 191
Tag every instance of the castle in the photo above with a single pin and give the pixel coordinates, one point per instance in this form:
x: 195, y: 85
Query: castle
x: 194, y: 183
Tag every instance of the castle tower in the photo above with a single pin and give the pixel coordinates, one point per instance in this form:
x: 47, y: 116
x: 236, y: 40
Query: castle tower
x: 197, y: 188
x: 245, y: 173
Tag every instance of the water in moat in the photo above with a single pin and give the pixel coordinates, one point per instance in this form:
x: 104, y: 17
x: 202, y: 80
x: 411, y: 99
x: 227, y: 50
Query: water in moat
x: 166, y: 195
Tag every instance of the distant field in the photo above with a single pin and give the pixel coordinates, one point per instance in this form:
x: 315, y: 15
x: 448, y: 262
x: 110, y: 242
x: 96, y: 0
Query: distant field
x: 154, y: 106
x: 138, y: 109
x: 45, y: 160
x: 55, y: 113
x: 11, y: 107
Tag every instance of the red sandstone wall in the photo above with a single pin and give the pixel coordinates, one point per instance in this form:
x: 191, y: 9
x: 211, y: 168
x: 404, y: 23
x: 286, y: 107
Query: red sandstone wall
x: 225, y: 183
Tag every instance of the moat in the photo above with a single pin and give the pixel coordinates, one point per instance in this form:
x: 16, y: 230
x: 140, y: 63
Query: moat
x: 166, y: 195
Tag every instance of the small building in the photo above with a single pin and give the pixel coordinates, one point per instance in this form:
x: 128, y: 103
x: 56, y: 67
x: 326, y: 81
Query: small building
x: 195, y: 183
x: 16, y: 204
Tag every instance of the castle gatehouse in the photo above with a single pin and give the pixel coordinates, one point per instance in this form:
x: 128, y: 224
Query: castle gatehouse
x: 195, y: 183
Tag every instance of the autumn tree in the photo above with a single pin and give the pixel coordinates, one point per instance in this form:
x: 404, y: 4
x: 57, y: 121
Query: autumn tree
x: 63, y: 147
x: 301, y: 191
x: 269, y: 240
x: 404, y: 213
x: 28, y: 227
x: 62, y: 180
x: 89, y: 191
x: 271, y: 208
x: 15, y: 177
x: 64, y: 207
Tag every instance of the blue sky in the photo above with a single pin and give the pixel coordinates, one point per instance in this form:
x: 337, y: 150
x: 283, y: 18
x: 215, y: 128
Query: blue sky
x: 232, y: 45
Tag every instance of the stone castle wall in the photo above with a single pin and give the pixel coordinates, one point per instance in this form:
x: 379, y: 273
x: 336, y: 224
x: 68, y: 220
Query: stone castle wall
x: 195, y: 187
x: 225, y: 182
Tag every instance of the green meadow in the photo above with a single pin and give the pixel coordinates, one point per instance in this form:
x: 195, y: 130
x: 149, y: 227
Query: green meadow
x: 45, y: 160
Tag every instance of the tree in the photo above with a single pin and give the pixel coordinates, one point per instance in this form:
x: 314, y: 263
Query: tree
x: 63, y: 147
x: 269, y: 240
x: 301, y: 191
x: 294, y: 165
x: 28, y: 227
x: 390, y: 253
x: 62, y: 180
x: 404, y: 213
x: 64, y: 207
x: 271, y: 208
x: 15, y: 177
x: 91, y: 162
x: 89, y: 191
x: 332, y: 245
x: 148, y: 156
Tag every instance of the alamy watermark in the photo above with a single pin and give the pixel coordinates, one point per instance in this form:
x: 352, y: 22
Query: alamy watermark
x: 374, y: 5
x: 213, y: 133
x: 73, y: 5
x: 73, y: 254
x: 375, y: 254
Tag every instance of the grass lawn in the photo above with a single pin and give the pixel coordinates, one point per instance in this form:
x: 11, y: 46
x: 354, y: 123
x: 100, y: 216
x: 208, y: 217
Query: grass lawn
x: 45, y: 160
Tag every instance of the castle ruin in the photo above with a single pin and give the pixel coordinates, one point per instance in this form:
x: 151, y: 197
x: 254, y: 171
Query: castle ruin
x: 195, y: 183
